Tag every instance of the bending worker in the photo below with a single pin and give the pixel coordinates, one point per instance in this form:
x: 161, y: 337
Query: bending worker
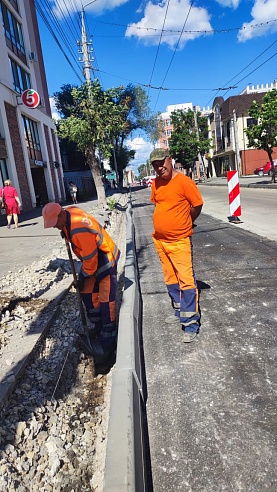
x: 178, y: 203
x: 99, y: 255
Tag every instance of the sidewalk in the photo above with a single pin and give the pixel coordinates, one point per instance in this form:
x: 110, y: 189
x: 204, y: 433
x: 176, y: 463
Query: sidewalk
x: 252, y: 181
x: 21, y: 247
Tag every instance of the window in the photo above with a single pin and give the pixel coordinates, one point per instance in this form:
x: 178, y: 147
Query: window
x: 32, y: 138
x: 251, y: 122
x: 21, y: 79
x: 3, y: 172
x: 167, y: 122
x: 168, y: 132
x: 13, y: 32
x: 165, y: 143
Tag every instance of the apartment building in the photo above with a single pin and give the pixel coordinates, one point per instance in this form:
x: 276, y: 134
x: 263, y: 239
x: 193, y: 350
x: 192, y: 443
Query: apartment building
x: 29, y: 147
x: 165, y: 123
x: 226, y: 124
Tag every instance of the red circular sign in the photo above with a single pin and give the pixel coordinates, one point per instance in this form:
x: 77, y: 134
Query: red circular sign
x: 30, y: 98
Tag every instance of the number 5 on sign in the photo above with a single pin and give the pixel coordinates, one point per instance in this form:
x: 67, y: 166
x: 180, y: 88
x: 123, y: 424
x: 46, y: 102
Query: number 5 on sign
x: 30, y: 98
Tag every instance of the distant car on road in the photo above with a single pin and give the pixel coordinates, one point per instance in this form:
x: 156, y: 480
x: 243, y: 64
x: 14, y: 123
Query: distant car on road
x: 266, y: 169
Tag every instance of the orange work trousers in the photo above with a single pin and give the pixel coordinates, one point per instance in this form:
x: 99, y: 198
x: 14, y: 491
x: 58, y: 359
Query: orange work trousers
x: 177, y: 265
x: 99, y: 298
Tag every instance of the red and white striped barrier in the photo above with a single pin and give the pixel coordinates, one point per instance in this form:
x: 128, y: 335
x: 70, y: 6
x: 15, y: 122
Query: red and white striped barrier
x: 234, y: 193
x: 149, y: 182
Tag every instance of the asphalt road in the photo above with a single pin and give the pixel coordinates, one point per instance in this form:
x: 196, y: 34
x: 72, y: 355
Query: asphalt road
x: 211, y: 405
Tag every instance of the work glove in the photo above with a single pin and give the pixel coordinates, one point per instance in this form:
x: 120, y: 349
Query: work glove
x: 80, y: 282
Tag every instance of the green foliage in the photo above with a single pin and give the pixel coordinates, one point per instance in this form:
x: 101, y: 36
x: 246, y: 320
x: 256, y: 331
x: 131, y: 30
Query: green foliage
x: 263, y: 134
x: 111, y: 203
x: 187, y: 140
x: 95, y: 118
x: 64, y: 100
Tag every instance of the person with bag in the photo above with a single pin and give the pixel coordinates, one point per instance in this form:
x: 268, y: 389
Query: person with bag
x: 10, y: 201
x: 73, y: 191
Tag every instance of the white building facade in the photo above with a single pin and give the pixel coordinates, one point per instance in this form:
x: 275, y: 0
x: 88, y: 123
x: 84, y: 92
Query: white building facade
x: 166, y: 127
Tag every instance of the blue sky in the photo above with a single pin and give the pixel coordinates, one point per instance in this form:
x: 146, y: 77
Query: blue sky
x: 178, y: 50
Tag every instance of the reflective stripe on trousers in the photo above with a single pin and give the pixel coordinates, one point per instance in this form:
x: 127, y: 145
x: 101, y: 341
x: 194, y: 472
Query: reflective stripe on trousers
x: 177, y: 265
x: 99, y: 300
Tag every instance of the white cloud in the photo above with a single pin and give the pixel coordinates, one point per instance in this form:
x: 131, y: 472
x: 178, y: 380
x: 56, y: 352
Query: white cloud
x: 55, y: 114
x: 179, y: 12
x: 229, y: 3
x: 143, y: 150
x: 62, y: 8
x: 262, y: 12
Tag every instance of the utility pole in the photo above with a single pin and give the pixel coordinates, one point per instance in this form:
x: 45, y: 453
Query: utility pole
x: 85, y: 48
x: 238, y: 161
x: 200, y: 159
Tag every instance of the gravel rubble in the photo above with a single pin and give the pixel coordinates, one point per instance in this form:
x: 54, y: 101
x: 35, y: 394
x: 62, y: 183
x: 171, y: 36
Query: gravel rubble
x: 53, y: 428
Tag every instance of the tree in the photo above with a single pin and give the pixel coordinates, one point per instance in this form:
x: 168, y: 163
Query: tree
x: 189, y: 137
x: 94, y: 122
x: 137, y: 116
x: 64, y: 100
x: 263, y: 133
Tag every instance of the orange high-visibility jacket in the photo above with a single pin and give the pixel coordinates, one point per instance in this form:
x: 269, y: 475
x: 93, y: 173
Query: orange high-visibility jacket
x: 91, y: 243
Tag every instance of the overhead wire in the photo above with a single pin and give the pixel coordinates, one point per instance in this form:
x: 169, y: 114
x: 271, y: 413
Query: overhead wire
x: 246, y: 76
x: 204, y: 31
x: 159, y: 44
x: 51, y: 23
x: 57, y: 25
x: 174, y: 52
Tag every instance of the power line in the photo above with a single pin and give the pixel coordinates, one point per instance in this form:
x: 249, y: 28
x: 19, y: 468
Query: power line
x: 205, y: 31
x: 233, y: 78
x: 52, y: 18
x: 174, y: 52
x: 158, y: 48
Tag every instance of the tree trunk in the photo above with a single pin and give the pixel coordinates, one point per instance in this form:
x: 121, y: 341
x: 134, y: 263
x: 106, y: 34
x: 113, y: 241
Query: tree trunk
x: 120, y: 178
x: 96, y: 174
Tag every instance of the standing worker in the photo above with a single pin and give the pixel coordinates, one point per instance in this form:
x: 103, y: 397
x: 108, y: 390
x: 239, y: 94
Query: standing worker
x: 97, y: 280
x: 178, y: 203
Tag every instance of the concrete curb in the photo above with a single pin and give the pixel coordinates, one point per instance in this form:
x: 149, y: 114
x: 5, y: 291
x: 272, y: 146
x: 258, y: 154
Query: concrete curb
x: 125, y: 466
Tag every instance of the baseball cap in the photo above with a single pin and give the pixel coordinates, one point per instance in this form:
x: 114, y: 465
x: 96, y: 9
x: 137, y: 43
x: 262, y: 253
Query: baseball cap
x: 158, y: 155
x: 50, y: 214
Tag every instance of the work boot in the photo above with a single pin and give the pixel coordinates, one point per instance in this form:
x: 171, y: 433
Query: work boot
x: 189, y: 336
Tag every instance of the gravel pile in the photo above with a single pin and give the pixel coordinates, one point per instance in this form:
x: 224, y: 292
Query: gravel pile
x: 53, y: 429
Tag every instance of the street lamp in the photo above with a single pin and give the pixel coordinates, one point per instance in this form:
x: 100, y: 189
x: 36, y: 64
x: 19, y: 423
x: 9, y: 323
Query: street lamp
x: 84, y: 6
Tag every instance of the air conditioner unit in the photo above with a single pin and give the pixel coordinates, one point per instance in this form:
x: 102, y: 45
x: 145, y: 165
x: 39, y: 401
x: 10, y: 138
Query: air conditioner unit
x: 33, y: 56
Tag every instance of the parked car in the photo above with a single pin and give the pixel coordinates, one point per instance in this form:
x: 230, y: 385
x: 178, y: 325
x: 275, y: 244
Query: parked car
x: 266, y: 169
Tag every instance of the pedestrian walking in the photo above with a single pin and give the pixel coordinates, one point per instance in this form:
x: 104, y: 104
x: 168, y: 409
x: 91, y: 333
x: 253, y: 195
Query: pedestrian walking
x: 97, y: 280
x: 178, y: 203
x: 10, y: 200
x: 73, y: 191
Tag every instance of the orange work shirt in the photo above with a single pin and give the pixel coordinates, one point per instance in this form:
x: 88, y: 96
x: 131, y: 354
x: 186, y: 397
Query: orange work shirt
x: 173, y: 200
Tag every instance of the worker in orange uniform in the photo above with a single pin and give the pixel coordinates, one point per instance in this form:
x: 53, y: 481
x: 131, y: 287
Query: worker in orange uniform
x: 178, y: 203
x: 97, y: 279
